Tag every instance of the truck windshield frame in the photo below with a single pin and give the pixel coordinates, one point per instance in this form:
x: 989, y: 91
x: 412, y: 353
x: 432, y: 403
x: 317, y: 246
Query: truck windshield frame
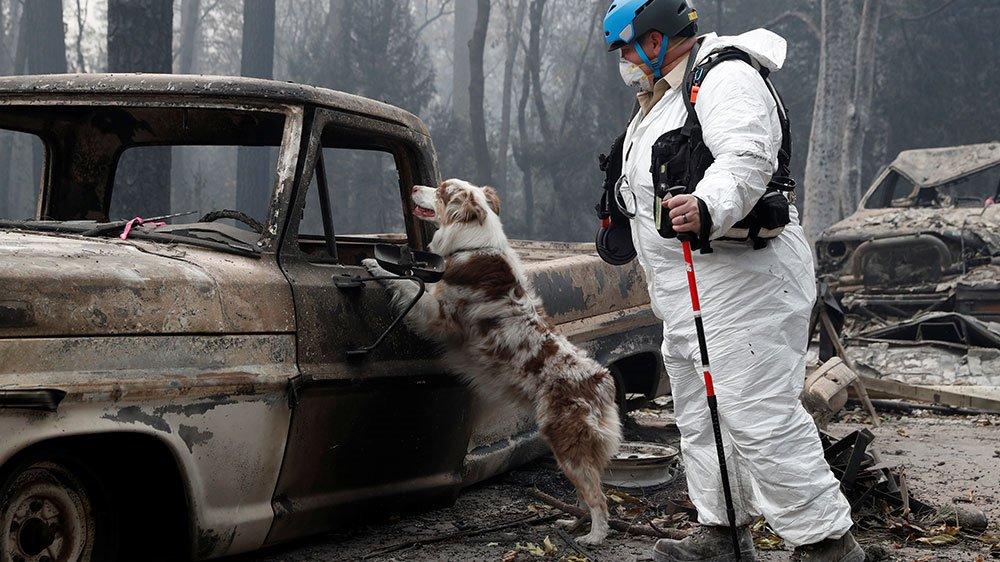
x: 415, y: 164
x: 85, y: 136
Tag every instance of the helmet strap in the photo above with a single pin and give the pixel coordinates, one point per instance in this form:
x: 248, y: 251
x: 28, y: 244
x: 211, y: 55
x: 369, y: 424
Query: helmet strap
x: 658, y: 67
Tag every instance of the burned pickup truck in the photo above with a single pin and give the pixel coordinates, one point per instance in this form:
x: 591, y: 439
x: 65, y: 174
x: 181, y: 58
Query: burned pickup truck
x: 192, y: 363
x: 930, y: 218
x: 926, y: 236
x: 917, y: 268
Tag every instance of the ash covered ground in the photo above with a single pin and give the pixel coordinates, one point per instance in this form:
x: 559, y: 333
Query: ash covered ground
x: 947, y: 459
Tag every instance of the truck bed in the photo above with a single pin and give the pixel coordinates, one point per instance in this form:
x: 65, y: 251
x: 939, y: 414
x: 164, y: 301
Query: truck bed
x: 535, y: 251
x: 575, y: 284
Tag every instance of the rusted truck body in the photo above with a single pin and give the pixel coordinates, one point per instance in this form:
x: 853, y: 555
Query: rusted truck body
x: 917, y: 269
x: 926, y: 236
x: 186, y: 390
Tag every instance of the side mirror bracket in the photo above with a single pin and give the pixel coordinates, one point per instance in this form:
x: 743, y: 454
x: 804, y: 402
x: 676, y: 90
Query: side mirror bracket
x: 407, y: 264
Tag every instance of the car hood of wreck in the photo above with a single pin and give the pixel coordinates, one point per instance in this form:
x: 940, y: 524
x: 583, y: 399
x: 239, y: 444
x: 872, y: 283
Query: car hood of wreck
x: 880, y: 223
x: 887, y: 242
x: 63, y: 285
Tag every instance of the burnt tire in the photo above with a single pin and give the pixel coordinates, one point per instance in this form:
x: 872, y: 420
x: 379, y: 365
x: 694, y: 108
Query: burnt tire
x: 51, y: 510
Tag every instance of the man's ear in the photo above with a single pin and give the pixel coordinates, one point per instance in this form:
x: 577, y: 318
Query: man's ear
x: 654, y: 42
x: 492, y: 199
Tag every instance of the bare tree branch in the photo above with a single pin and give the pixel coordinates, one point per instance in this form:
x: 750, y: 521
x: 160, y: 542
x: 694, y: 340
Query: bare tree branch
x: 801, y: 16
x: 932, y: 12
x: 207, y: 9
x: 442, y: 11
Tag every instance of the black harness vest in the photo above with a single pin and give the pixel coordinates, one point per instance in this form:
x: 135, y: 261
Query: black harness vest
x: 679, y: 161
x: 681, y: 158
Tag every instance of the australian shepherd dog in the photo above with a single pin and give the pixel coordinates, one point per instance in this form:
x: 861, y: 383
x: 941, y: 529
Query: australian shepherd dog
x: 493, y: 332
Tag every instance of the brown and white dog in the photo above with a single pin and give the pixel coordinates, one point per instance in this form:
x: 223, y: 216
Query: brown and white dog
x: 494, y: 332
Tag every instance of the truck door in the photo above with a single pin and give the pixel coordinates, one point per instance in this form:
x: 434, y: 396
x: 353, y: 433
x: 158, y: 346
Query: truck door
x: 388, y: 429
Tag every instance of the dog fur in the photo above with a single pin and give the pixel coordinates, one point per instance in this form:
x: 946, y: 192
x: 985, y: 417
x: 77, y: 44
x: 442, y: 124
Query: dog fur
x: 494, y: 333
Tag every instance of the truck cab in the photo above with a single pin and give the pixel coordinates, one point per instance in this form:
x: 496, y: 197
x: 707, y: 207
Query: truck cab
x: 182, y: 308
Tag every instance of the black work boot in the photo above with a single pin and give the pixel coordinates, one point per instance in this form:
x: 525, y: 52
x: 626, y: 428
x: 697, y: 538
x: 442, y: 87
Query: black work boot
x: 707, y: 544
x: 844, y: 549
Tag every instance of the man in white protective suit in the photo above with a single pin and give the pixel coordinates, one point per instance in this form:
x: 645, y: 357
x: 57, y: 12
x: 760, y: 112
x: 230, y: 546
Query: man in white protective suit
x: 757, y: 287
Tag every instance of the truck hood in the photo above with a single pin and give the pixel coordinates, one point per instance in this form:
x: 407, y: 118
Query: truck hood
x: 952, y: 222
x: 58, y: 285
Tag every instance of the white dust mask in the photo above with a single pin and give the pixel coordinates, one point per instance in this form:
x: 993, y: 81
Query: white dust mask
x: 634, y: 76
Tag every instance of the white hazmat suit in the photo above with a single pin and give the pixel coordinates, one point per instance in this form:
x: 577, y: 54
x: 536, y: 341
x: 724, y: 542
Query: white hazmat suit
x: 755, y: 303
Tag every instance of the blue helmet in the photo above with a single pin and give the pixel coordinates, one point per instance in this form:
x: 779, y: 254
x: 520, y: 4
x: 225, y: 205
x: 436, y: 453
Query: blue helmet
x: 628, y: 20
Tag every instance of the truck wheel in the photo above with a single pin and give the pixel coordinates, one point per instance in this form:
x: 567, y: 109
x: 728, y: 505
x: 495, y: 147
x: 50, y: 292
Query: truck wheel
x: 48, y: 514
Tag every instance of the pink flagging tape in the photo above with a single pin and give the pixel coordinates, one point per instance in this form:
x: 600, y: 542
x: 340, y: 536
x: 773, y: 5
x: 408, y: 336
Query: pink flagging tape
x: 137, y: 221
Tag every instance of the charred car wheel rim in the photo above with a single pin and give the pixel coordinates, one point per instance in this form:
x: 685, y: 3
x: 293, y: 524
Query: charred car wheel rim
x: 48, y: 517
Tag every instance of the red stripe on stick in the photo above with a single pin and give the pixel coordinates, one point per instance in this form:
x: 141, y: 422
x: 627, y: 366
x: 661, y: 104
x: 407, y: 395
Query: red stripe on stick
x: 692, y: 285
x: 709, y: 387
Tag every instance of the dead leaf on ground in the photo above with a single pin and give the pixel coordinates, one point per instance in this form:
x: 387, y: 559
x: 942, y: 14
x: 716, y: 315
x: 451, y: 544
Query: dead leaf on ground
x: 938, y: 540
x: 548, y: 547
x: 531, y: 548
x: 768, y: 542
x: 764, y: 537
x: 988, y: 538
x: 670, y: 521
x: 618, y: 496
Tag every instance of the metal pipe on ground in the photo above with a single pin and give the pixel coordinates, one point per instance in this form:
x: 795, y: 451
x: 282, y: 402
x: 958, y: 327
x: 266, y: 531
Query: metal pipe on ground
x: 908, y: 408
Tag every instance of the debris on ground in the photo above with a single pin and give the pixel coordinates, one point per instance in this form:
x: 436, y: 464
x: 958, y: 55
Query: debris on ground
x: 934, y: 348
x: 825, y: 390
x: 638, y: 464
x: 950, y: 464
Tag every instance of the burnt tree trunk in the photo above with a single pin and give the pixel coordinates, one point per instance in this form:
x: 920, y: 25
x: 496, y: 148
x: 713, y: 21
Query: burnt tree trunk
x: 5, y: 59
x: 523, y: 156
x: 253, y: 173
x: 190, y: 19
x: 46, y: 39
x: 6, y: 65
x: 465, y: 23
x: 843, y: 100
x: 526, y: 153
x: 42, y: 50
x: 859, y: 112
x: 81, y: 63
x: 513, y: 42
x: 139, y: 40
x: 477, y: 113
x: 533, y: 61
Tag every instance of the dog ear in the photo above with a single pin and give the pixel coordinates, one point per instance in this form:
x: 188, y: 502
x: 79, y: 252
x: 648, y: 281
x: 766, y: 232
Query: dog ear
x: 492, y: 198
x: 465, y: 209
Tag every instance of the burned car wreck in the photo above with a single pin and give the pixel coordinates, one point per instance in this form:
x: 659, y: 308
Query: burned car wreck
x: 191, y: 375
x: 917, y: 268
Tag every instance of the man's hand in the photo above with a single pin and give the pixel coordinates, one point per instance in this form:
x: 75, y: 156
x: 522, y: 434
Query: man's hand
x: 684, y: 213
